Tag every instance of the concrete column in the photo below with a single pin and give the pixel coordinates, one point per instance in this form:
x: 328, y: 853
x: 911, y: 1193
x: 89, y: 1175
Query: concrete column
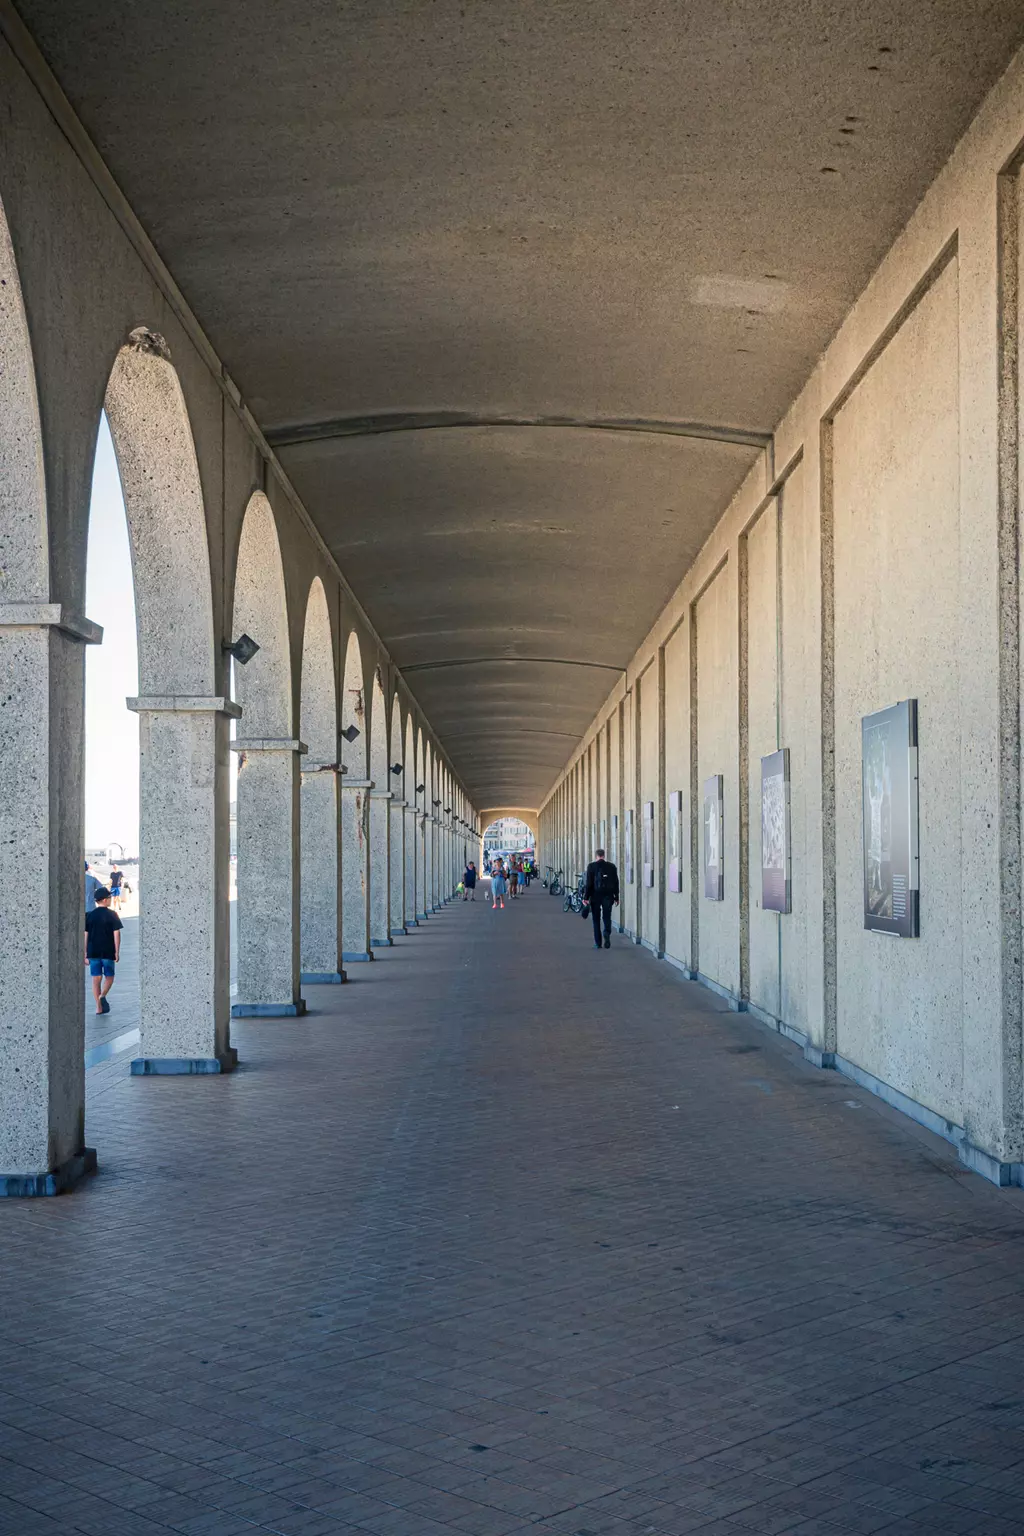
x: 422, y: 873
x: 396, y: 839
x: 355, y: 869
x: 320, y: 943
x: 268, y: 878
x: 42, y: 1031
x: 380, y: 868
x: 184, y: 1001
x: 434, y: 904
x: 411, y: 840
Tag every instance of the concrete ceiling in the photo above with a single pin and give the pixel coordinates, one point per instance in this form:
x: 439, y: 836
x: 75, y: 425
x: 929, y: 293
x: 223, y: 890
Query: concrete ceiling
x: 459, y: 218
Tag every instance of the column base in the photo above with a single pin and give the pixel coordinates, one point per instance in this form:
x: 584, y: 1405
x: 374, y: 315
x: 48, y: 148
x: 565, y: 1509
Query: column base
x: 21, y: 1186
x: 323, y: 978
x: 421, y: 917
x: 184, y: 1066
x: 399, y: 933
x: 355, y: 955
x: 819, y: 1058
x: 269, y: 1010
x: 381, y: 943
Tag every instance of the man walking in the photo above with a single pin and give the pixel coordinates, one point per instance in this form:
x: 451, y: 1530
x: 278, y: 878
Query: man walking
x: 102, y: 947
x: 92, y: 885
x: 602, y: 892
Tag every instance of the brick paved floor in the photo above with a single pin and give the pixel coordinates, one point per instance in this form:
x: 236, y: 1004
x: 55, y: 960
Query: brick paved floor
x: 510, y: 1236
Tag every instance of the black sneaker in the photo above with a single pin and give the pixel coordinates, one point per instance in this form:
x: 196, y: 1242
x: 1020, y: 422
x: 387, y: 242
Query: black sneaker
x: 104, y: 1005
x: 607, y: 942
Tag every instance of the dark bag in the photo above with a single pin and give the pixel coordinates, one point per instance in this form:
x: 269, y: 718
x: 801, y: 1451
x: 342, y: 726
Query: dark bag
x: 601, y: 880
x: 585, y: 910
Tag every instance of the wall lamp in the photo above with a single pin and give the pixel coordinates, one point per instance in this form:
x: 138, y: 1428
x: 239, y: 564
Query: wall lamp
x: 420, y: 788
x: 243, y: 649
x: 435, y: 802
x: 351, y: 732
x: 447, y: 810
x: 397, y: 767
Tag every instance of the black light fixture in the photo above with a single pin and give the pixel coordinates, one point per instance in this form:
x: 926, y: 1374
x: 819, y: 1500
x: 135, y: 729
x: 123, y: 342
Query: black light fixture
x: 397, y: 767
x: 243, y: 649
x: 447, y: 810
x: 435, y: 802
x: 351, y: 732
x: 420, y: 788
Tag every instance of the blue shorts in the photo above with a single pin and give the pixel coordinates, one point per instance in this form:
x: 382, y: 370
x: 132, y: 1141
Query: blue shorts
x: 101, y: 967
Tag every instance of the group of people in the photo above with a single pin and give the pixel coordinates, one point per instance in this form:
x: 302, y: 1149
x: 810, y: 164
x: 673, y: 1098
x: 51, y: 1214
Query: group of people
x: 509, y: 879
x: 600, y: 891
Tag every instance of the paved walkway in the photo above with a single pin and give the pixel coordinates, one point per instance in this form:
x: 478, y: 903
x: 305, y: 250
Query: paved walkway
x: 511, y: 1236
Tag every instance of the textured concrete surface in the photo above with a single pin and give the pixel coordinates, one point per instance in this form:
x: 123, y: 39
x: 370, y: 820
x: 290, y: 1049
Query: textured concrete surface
x: 606, y: 1258
x: 268, y: 874
x: 564, y: 214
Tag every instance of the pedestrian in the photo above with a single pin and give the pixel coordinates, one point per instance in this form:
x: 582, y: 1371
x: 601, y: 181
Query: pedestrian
x: 513, y: 880
x: 469, y: 882
x: 602, y: 892
x: 114, y: 880
x: 498, y: 886
x: 102, y: 947
x: 92, y: 885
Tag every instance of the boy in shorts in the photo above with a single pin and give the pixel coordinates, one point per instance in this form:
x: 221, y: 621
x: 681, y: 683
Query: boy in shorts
x: 102, y: 947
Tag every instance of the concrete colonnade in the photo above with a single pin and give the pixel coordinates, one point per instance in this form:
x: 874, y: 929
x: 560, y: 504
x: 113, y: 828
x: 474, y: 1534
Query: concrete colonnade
x: 870, y: 556
x: 326, y: 835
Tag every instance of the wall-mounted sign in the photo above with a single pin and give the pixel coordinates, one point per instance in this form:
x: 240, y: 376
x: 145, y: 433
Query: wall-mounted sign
x: 675, y: 845
x: 615, y: 841
x: 648, y: 842
x: 776, y: 840
x: 891, y: 856
x: 714, y: 849
x: 629, y: 847
x: 604, y: 839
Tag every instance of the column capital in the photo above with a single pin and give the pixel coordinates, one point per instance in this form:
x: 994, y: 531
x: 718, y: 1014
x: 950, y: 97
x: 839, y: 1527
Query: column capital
x: 399, y: 805
x: 268, y: 744
x: 50, y: 616
x: 381, y: 794
x: 347, y: 783
x: 311, y: 767
x: 184, y: 704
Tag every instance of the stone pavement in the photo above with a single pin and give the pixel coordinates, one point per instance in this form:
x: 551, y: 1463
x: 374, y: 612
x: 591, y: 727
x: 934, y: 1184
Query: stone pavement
x: 511, y: 1236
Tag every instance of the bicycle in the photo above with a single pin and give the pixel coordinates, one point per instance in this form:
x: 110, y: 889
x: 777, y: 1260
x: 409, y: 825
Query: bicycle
x: 554, y: 885
x: 574, y: 899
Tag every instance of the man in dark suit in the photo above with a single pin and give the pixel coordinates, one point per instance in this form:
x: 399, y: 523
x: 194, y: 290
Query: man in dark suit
x: 602, y: 892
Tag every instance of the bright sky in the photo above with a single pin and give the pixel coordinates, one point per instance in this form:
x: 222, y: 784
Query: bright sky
x: 111, y: 669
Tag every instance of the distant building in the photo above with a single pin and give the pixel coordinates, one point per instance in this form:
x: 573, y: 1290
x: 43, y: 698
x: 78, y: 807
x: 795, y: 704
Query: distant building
x: 507, y: 835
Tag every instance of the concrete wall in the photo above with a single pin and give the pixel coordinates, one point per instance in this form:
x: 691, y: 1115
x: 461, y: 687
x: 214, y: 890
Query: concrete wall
x: 872, y: 556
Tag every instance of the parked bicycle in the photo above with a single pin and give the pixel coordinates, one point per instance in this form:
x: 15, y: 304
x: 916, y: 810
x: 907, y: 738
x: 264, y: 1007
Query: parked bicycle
x: 574, y: 899
x: 554, y: 882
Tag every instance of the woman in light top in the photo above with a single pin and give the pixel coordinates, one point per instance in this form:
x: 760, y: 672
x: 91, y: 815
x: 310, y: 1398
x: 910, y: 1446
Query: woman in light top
x: 498, y: 885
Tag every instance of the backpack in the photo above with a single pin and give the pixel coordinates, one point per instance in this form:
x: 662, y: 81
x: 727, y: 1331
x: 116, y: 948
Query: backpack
x: 602, y: 880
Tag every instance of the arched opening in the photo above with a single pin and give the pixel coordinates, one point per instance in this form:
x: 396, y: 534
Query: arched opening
x: 320, y: 885
x: 182, y: 727
x: 396, y: 819
x: 111, y: 829
x: 268, y: 779
x: 509, y: 836
x: 422, y: 802
x: 355, y: 809
x: 380, y: 852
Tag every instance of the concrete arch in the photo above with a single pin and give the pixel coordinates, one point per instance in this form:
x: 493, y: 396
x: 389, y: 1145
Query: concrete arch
x: 355, y: 753
x: 412, y: 906
x: 318, y: 709
x: 320, y: 894
x: 24, y: 551
x: 268, y: 779
x: 163, y: 499
x: 396, y: 749
x: 380, y: 857
x: 396, y: 821
x: 263, y: 686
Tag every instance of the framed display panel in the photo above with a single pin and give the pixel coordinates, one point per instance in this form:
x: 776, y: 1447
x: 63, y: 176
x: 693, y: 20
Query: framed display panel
x: 776, y: 837
x: 890, y: 790
x: 615, y: 841
x: 714, y: 851
x: 594, y: 844
x: 675, y: 835
x: 648, y: 842
x: 629, y: 847
x: 604, y: 840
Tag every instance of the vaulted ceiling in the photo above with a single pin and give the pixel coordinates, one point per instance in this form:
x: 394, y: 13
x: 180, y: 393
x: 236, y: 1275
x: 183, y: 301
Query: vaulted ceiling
x: 518, y: 289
